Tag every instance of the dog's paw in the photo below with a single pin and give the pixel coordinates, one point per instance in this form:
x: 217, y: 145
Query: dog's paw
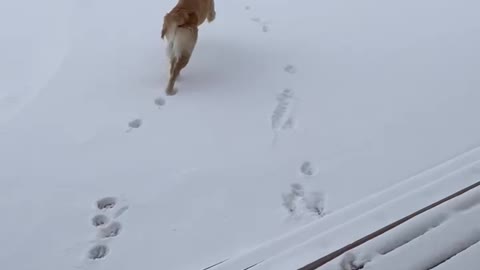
x: 172, y: 91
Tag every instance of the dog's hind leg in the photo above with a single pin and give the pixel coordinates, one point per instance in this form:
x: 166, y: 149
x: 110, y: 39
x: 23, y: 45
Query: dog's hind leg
x: 171, y: 81
x: 173, y: 60
x: 186, y: 40
x: 176, y: 67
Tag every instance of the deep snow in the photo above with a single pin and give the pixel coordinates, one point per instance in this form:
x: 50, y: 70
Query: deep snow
x: 377, y: 92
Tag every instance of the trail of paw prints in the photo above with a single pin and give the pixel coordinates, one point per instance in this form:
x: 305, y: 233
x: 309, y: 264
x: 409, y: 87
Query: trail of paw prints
x: 282, y: 117
x: 263, y: 24
x: 283, y: 114
x: 138, y: 122
x: 107, y: 227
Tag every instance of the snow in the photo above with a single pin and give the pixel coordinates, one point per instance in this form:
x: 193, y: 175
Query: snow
x: 366, y: 93
x: 448, y: 239
x: 347, y: 225
x: 449, y: 228
x: 464, y: 260
x: 33, y: 43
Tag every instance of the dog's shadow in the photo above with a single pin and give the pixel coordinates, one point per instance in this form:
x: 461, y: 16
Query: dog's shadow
x: 223, y: 63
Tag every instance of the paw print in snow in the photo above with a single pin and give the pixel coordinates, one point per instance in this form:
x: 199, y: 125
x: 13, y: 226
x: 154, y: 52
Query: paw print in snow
x: 134, y: 124
x: 98, y: 252
x: 106, y: 225
x: 290, y: 69
x: 307, y: 169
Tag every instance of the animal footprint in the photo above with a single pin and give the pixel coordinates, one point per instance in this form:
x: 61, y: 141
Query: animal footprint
x: 107, y: 226
x: 112, y: 230
x: 134, y: 124
x: 307, y: 168
x: 264, y: 24
x: 300, y: 201
x: 281, y: 113
x: 297, y: 190
x: 289, y: 124
x: 100, y: 220
x: 290, y: 199
x: 265, y: 28
x: 315, y: 202
x: 106, y: 203
x: 290, y: 69
x: 282, y: 118
x: 160, y: 102
x: 98, y: 252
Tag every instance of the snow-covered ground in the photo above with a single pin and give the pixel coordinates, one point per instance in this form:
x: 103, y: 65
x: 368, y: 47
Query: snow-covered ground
x: 344, y: 99
x: 463, y: 260
x: 423, y: 242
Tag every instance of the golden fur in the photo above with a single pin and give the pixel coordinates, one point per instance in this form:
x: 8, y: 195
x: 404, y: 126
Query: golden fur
x: 180, y: 27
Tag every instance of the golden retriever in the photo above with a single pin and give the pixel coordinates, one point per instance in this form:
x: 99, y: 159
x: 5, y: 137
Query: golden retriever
x: 180, y: 27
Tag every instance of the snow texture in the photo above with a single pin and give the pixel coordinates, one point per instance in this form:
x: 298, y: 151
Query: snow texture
x: 100, y: 170
x: 465, y: 260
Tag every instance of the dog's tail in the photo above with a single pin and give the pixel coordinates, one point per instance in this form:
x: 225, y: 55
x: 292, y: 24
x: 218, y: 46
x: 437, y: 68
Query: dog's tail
x: 171, y: 21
